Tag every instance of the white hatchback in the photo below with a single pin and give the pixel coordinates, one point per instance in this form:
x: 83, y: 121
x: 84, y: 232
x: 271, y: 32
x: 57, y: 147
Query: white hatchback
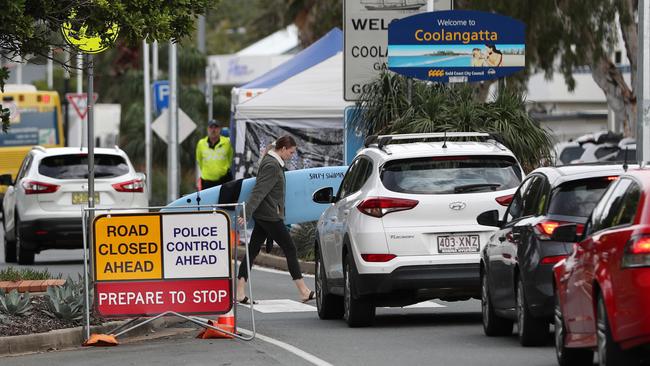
x: 402, y: 227
x: 42, y: 209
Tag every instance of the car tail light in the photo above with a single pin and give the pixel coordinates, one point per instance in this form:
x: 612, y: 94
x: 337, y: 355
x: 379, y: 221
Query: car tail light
x: 380, y: 206
x: 377, y: 257
x: 546, y: 228
x: 34, y: 187
x: 505, y: 200
x: 637, y: 252
x: 132, y: 186
x: 553, y: 259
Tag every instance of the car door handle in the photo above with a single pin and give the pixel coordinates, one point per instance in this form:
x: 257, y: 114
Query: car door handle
x: 346, y: 212
x: 502, y: 239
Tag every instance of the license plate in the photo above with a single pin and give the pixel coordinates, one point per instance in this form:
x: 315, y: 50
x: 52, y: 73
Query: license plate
x: 458, y: 244
x: 81, y: 198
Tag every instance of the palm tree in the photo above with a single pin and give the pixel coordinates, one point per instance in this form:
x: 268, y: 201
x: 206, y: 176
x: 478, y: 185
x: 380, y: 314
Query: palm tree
x: 386, y: 109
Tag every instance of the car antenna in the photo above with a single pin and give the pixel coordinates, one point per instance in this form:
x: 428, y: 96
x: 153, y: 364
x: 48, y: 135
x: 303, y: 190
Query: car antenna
x: 625, y: 160
x: 444, y: 143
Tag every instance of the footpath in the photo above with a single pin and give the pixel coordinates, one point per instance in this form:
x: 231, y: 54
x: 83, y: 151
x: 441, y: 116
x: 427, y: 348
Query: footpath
x: 167, y: 326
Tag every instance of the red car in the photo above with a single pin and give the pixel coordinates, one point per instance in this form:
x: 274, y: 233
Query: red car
x: 603, y: 288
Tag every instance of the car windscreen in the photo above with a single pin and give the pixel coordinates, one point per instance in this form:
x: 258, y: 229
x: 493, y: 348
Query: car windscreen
x: 571, y: 153
x: 449, y: 175
x: 76, y: 166
x: 579, y: 197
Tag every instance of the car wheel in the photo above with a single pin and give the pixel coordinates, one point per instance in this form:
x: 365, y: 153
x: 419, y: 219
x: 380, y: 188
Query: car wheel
x: 24, y: 255
x: 10, y: 248
x: 567, y: 356
x: 609, y: 352
x: 329, y: 306
x: 358, y: 312
x: 532, y: 331
x: 493, y: 325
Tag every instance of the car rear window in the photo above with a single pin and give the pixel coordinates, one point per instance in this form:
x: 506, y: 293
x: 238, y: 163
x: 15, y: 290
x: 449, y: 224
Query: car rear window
x: 578, y: 198
x: 571, y: 153
x: 449, y: 175
x: 76, y: 166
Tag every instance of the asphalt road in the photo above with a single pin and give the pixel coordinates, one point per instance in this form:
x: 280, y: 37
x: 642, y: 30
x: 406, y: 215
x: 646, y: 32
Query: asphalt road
x: 434, y: 333
x: 64, y: 262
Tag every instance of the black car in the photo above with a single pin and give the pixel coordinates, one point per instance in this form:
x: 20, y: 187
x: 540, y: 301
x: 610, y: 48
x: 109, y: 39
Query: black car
x: 517, y: 261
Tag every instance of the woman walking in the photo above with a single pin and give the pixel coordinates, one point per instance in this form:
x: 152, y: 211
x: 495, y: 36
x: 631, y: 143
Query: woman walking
x: 266, y: 206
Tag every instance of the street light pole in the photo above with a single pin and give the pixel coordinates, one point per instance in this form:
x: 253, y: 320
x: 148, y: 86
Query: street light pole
x: 643, y: 88
x: 147, y: 117
x: 172, y: 130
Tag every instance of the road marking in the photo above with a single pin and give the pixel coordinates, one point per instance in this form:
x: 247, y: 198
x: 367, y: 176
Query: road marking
x: 291, y: 306
x: 281, y: 306
x: 287, y: 347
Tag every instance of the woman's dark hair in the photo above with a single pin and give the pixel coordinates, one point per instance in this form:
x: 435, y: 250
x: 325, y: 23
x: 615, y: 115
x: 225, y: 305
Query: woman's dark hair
x: 285, y: 141
x: 493, y: 47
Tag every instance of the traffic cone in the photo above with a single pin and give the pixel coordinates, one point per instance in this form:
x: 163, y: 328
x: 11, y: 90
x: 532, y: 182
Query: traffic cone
x: 225, y: 322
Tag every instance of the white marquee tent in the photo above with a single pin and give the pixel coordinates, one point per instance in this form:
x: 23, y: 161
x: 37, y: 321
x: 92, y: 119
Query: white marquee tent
x: 309, y: 106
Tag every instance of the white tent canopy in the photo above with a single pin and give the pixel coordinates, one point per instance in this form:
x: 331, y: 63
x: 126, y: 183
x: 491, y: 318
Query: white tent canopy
x: 278, y: 43
x: 314, y: 93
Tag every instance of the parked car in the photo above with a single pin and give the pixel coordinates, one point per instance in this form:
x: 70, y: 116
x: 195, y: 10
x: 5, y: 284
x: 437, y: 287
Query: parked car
x: 42, y: 207
x: 566, y: 152
x: 602, y: 288
x: 402, y: 227
x: 517, y: 261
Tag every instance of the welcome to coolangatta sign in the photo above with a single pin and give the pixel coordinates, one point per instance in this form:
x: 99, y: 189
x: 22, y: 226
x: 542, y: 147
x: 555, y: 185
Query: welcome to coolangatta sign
x: 456, y: 46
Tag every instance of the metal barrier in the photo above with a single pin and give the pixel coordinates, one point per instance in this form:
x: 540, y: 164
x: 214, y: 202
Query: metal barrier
x: 88, y: 213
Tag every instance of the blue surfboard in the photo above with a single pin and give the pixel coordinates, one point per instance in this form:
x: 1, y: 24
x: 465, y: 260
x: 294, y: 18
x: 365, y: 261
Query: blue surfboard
x: 300, y: 186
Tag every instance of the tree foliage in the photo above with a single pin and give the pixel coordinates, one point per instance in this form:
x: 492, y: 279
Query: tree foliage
x: 31, y: 27
x: 439, y: 108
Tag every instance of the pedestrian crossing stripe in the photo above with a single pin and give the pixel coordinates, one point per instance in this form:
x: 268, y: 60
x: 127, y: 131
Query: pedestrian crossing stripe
x: 292, y: 306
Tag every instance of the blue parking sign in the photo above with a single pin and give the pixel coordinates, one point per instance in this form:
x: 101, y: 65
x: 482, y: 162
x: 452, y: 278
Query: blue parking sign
x: 160, y: 95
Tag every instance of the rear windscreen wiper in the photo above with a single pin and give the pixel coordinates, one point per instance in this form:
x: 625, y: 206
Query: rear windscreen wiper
x: 472, y: 187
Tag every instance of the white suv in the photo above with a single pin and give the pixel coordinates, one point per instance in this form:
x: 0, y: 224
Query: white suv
x: 42, y: 209
x: 402, y: 227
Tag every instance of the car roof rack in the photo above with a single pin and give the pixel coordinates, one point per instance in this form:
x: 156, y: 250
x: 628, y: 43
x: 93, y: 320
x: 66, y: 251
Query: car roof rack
x: 383, y: 140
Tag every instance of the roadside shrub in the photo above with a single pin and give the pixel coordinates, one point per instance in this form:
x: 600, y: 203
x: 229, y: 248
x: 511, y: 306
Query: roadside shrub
x: 15, y: 303
x: 304, y: 236
x: 66, y: 302
x: 25, y: 274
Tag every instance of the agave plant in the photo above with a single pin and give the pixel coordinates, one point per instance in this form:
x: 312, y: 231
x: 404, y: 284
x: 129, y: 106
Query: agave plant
x: 66, y: 302
x: 14, y: 303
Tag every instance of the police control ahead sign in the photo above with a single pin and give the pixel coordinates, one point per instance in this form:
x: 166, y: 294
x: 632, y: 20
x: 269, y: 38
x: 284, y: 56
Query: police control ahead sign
x: 456, y: 46
x: 147, y: 264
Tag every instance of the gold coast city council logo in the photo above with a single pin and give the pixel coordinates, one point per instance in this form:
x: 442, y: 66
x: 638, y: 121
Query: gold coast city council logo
x: 436, y: 73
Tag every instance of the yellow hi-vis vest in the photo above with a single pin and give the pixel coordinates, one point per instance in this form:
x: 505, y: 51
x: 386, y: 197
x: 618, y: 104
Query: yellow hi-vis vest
x: 214, y: 162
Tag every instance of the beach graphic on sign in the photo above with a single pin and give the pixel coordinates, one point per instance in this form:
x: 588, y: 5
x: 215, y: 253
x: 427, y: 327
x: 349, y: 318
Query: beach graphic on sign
x: 469, y: 55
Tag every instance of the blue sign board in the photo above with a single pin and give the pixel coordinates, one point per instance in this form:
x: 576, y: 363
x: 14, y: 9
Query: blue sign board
x: 160, y: 95
x: 456, y: 46
x: 353, y: 139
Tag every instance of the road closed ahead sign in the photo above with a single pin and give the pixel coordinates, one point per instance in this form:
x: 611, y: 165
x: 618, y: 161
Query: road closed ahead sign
x: 147, y: 264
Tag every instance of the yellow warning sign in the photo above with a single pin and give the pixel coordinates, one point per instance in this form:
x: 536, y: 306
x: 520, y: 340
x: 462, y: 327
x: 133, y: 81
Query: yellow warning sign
x: 128, y: 249
x: 88, y: 42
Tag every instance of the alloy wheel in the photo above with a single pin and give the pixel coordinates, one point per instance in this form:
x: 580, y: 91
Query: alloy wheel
x: 484, y: 300
x: 319, y: 283
x: 558, y: 330
x: 346, y: 292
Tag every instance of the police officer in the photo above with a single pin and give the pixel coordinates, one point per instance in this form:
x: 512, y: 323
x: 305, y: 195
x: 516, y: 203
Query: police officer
x: 214, y: 155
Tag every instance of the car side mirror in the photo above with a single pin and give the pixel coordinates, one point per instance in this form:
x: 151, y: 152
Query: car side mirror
x: 5, y: 180
x: 489, y: 218
x: 324, y: 195
x: 565, y: 233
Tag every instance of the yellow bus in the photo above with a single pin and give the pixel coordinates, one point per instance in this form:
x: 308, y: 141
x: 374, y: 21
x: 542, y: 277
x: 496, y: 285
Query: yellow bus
x: 36, y: 119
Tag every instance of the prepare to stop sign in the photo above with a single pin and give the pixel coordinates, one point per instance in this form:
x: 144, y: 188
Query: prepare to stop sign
x: 147, y: 264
